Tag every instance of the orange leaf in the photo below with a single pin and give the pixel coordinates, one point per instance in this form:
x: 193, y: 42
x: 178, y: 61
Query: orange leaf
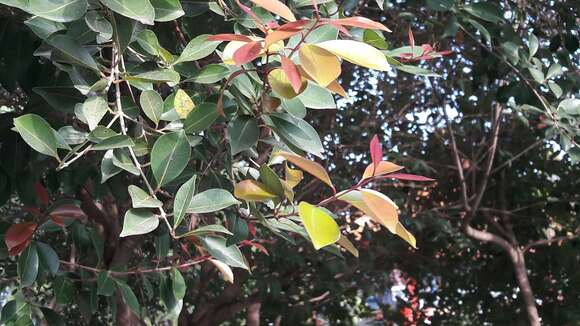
x: 252, y: 190
x: 309, y: 166
x: 384, y: 167
x: 321, y: 65
x: 279, y: 35
x: 360, y: 22
x: 276, y: 7
x: 292, y: 73
x: 247, y: 53
x: 337, y: 89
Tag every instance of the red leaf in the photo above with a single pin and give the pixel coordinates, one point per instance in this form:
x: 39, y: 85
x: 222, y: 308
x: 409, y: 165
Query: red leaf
x: 292, y: 73
x: 67, y: 210
x: 376, y: 150
x: 255, y: 245
x: 360, y: 22
x: 58, y: 221
x: 18, y: 236
x: 293, y: 26
x: 41, y: 193
x: 252, y: 229
x: 229, y: 37
x: 247, y: 53
x: 411, y: 38
x: 409, y: 177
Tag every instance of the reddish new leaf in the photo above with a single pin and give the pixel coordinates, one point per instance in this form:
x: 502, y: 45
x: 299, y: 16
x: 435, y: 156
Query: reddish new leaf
x: 360, y: 22
x: 408, y: 177
x: 247, y: 53
x: 376, y: 150
x: 41, y: 193
x: 18, y: 236
x: 58, y: 221
x: 68, y: 211
x: 411, y: 38
x: 229, y: 37
x: 292, y: 73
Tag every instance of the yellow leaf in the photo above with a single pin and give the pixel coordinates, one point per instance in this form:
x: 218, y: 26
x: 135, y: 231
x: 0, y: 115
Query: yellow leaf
x: 276, y: 7
x: 309, y: 166
x: 382, y: 207
x: 406, y: 235
x: 374, y: 204
x: 281, y: 85
x: 226, y: 270
x: 293, y: 177
x: 320, y: 226
x: 251, y: 190
x: 346, y: 244
x: 356, y: 52
x: 183, y: 104
x: 384, y: 167
x: 321, y: 65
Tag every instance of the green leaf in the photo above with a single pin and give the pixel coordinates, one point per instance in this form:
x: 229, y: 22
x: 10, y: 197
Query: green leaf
x: 37, y: 133
x: 105, y: 284
x: 211, y: 200
x: 142, y: 199
x: 482, y: 30
x: 178, y: 284
x: 101, y: 133
x: 48, y: 257
x: 537, y: 74
x: 243, y: 133
x: 122, y: 159
x: 416, y: 71
x: 169, y: 156
x: 8, y: 312
x: 316, y: 97
x: 216, y: 246
x: 209, y: 74
x: 198, y: 48
x: 57, y: 10
x: 440, y: 5
x: 239, y: 227
x: 183, y: 198
x: 94, y: 109
x: 42, y: 27
x: 152, y: 105
x: 375, y: 39
x: 161, y: 75
x: 554, y: 71
x: 167, y: 10
x: 271, y: 180
x: 117, y: 141
x: 485, y: 10
x: 28, y: 266
x: 72, y: 50
x: 555, y: 88
x: 321, y: 227
x: 205, y: 230
x: 295, y: 132
x: 139, y: 221
x: 108, y: 169
x: 72, y: 136
x: 129, y: 297
x: 140, y: 10
x: 534, y: 44
x: 63, y: 99
x: 64, y: 290
x: 201, y: 117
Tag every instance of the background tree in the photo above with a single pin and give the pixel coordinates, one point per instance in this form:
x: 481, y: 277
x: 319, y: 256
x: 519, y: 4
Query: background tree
x: 493, y: 115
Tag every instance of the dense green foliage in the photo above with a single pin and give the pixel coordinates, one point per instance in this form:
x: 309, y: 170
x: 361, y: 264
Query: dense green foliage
x: 146, y: 167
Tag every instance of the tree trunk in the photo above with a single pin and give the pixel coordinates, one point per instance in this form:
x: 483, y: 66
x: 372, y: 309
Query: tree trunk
x: 517, y: 258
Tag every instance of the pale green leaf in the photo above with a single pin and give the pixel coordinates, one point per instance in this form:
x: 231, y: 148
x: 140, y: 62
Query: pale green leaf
x: 139, y: 221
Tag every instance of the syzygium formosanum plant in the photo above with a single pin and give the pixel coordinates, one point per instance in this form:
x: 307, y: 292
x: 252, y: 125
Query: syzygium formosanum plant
x: 262, y: 85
